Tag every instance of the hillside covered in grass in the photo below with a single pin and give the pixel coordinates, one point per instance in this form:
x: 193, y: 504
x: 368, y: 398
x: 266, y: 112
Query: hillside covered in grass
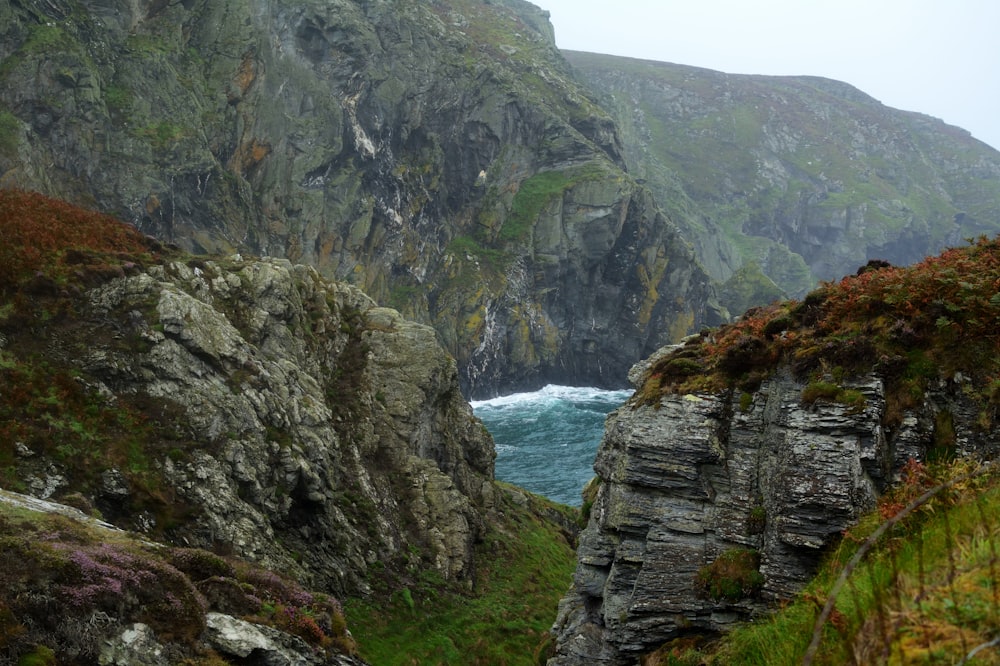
x: 784, y: 181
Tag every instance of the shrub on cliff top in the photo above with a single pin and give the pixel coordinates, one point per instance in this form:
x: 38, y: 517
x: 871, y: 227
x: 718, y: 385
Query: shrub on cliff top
x: 942, y: 310
x: 44, y: 237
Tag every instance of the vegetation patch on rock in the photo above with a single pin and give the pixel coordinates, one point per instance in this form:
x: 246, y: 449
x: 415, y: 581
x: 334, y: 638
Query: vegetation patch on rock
x: 732, y: 576
x: 911, y: 325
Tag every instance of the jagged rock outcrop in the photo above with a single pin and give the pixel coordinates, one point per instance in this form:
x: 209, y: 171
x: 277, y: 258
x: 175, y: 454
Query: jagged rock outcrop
x: 438, y: 155
x: 306, y: 428
x: 696, y: 476
x: 800, y: 178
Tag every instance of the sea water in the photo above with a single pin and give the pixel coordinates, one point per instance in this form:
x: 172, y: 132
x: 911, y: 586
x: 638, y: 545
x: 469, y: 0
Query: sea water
x: 546, y: 440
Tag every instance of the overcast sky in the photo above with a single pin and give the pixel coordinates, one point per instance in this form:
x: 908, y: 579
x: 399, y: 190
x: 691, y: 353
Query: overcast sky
x: 939, y: 57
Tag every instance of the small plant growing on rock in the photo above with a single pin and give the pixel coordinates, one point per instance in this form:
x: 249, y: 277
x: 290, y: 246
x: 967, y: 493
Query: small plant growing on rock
x: 829, y: 392
x: 757, y: 519
x: 731, y: 577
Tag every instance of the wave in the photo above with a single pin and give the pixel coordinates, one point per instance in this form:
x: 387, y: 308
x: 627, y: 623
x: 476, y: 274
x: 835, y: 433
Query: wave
x: 552, y: 393
x: 546, y: 440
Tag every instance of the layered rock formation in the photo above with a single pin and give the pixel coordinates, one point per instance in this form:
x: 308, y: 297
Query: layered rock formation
x: 698, y: 477
x: 800, y: 178
x: 437, y: 155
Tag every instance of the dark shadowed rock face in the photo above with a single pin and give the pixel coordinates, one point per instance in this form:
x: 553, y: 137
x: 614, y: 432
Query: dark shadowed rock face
x: 437, y: 155
x: 696, y: 476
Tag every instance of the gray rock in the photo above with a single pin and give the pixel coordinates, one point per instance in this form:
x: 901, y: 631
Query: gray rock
x: 268, y: 646
x: 331, y: 432
x: 114, y: 485
x: 694, y: 476
x: 137, y: 644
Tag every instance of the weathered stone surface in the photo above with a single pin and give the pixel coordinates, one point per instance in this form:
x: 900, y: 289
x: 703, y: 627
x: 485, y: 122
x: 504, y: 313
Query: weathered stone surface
x: 265, y: 645
x: 696, y: 475
x: 320, y: 425
x: 137, y: 644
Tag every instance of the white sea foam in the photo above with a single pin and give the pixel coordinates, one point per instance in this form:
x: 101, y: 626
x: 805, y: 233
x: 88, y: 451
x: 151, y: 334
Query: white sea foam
x: 552, y: 393
x: 546, y: 439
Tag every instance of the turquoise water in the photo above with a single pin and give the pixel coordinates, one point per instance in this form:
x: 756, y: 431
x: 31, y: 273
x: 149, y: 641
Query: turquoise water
x: 546, y: 440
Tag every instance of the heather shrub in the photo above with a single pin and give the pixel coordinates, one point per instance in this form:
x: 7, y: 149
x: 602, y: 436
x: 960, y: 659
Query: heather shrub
x: 200, y: 564
x: 122, y: 582
x: 911, y: 325
x: 46, y: 240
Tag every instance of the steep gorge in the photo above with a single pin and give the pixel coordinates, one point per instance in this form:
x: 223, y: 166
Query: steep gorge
x: 443, y: 157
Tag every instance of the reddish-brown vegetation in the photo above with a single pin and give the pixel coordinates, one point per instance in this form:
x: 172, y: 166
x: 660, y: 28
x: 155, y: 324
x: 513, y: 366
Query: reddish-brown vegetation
x: 46, y: 240
x: 910, y: 324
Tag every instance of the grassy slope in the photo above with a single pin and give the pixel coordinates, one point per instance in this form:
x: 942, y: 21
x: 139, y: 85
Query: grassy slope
x: 524, y: 571
x: 694, y: 120
x: 928, y: 592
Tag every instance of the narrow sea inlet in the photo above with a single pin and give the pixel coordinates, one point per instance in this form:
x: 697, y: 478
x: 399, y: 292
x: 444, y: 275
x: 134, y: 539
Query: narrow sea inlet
x: 546, y: 440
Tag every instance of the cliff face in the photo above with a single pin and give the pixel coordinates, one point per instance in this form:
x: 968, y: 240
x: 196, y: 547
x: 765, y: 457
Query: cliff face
x: 803, y: 178
x: 746, y: 451
x: 696, y: 478
x: 244, y: 405
x: 438, y: 155
x: 445, y: 158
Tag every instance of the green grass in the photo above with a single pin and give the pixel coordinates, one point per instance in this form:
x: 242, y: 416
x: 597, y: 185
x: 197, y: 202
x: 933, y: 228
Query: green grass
x: 532, y: 197
x: 928, y: 592
x: 523, y: 572
x: 9, y: 133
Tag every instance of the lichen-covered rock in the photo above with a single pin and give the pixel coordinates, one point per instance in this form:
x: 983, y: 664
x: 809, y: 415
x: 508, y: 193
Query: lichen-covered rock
x: 322, y: 434
x: 265, y: 645
x: 137, y: 644
x: 694, y: 477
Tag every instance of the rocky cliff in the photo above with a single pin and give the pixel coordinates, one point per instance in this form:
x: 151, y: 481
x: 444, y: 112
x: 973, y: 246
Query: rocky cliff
x: 793, y: 179
x: 747, y: 451
x: 249, y: 406
x: 446, y: 159
x: 438, y: 155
